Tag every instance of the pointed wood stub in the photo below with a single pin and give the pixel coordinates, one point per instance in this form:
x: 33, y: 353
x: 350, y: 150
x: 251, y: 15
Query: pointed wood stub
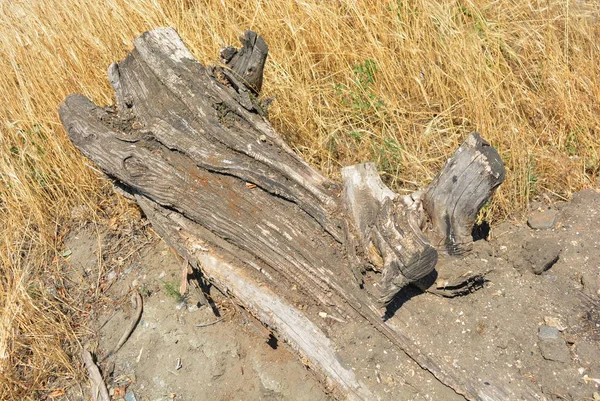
x: 458, y: 192
x: 247, y: 63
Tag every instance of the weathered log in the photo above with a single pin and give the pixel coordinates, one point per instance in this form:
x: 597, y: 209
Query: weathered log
x: 191, y: 144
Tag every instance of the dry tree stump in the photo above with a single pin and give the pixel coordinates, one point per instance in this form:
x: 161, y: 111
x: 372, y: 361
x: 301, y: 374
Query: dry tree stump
x: 192, y: 146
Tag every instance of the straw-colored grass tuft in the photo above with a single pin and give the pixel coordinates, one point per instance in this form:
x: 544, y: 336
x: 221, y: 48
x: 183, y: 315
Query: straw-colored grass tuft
x: 397, y: 82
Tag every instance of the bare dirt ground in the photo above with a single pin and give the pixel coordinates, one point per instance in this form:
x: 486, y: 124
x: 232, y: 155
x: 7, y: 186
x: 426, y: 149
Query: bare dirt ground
x: 536, y: 320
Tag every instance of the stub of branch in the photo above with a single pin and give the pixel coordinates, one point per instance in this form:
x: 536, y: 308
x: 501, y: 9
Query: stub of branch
x: 389, y: 230
x: 363, y: 193
x: 455, y: 196
x: 247, y: 63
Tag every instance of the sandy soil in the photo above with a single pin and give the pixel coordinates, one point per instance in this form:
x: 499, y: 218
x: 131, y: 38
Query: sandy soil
x: 535, y: 320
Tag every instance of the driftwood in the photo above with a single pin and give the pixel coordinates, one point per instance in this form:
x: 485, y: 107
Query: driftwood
x: 192, y: 146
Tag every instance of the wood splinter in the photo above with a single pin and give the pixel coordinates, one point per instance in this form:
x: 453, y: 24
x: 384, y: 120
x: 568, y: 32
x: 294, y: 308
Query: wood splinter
x: 389, y: 230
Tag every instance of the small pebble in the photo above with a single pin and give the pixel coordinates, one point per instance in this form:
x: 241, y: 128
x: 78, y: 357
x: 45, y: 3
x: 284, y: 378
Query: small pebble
x: 555, y: 350
x: 548, y: 332
x: 542, y: 220
x: 552, y: 346
x: 129, y: 396
x: 541, y: 254
x: 555, y: 322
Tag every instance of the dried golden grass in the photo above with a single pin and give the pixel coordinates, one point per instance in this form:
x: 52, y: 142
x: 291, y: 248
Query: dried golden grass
x: 397, y: 82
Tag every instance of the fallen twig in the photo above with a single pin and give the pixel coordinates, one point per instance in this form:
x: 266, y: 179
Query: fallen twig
x: 98, y: 388
x: 137, y: 298
x: 210, y: 323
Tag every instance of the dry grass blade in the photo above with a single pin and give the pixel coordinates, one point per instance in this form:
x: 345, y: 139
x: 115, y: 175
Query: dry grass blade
x: 396, y: 82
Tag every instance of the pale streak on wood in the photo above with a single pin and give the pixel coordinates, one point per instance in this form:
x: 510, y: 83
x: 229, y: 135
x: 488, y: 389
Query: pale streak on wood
x: 172, y: 47
x: 363, y: 194
x: 291, y: 324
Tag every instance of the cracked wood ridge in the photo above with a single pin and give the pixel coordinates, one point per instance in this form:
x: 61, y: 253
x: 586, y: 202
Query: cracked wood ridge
x: 192, y: 145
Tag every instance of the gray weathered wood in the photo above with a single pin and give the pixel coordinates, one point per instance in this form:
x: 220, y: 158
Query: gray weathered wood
x: 270, y: 308
x: 455, y: 196
x: 191, y: 145
x: 98, y: 389
x: 247, y: 64
x: 389, y: 230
